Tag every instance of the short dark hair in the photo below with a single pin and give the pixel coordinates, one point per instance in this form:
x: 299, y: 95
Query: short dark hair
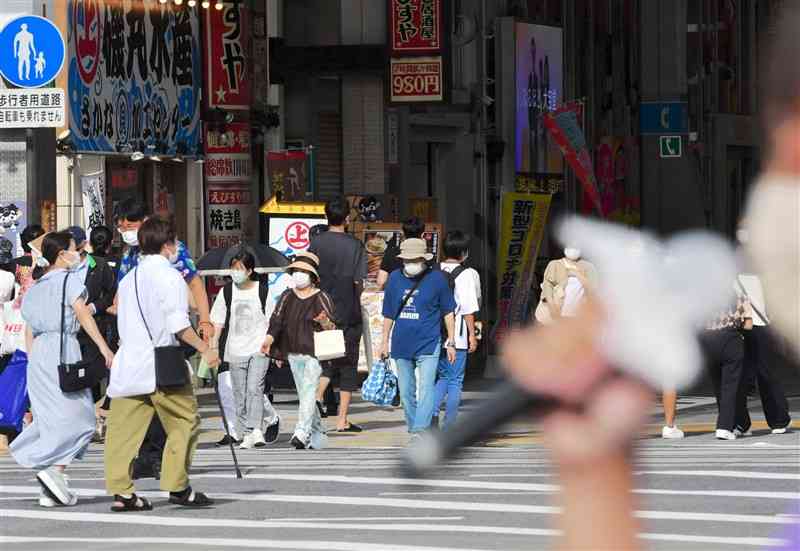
x: 54, y: 243
x: 456, y: 243
x: 413, y: 227
x: 131, y: 210
x: 101, y: 238
x: 30, y: 233
x: 781, y: 85
x: 154, y: 234
x: 248, y: 261
x: 336, y: 210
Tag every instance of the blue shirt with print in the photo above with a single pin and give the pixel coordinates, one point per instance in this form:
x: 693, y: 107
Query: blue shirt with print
x: 417, y: 328
x: 184, y: 264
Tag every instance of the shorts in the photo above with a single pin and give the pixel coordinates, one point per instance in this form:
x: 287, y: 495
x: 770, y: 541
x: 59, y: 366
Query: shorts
x: 346, y: 368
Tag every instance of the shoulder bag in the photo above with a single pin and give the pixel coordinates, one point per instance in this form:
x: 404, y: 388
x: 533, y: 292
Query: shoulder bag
x: 329, y: 344
x: 171, y: 370
x: 83, y: 374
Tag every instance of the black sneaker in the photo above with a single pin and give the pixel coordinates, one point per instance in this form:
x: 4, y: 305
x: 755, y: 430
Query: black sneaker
x: 227, y: 441
x: 273, y: 432
x: 321, y: 409
x: 297, y: 443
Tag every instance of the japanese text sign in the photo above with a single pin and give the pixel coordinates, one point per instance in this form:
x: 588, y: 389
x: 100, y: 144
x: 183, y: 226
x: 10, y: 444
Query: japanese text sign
x: 231, y: 215
x: 416, y: 26
x: 416, y: 79
x: 32, y: 108
x: 228, y: 154
x: 134, y: 77
x: 227, y: 35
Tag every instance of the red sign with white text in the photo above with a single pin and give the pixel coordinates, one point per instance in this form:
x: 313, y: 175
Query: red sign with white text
x: 228, y: 153
x: 417, y: 79
x: 227, y: 35
x: 416, y: 26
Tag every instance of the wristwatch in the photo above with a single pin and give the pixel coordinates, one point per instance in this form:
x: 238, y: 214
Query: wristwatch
x: 450, y: 344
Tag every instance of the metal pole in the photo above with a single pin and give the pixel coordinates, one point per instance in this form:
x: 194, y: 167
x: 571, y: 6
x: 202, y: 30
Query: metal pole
x: 227, y: 430
x: 484, y: 172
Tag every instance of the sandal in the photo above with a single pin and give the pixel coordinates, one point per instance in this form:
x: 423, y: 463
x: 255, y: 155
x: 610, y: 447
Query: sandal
x: 351, y: 427
x: 133, y: 503
x: 190, y: 498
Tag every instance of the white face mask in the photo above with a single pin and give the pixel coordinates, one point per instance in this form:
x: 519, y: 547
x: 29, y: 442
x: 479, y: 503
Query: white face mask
x: 773, y: 225
x: 130, y: 237
x: 301, y: 280
x: 572, y: 253
x: 239, y: 276
x: 413, y: 269
x: 742, y: 236
x: 173, y: 256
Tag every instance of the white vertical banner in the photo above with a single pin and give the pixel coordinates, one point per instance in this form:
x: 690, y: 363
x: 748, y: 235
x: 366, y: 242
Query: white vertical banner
x: 93, y: 189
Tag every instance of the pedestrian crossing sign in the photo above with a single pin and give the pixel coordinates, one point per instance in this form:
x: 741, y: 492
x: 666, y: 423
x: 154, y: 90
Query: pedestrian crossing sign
x: 670, y: 146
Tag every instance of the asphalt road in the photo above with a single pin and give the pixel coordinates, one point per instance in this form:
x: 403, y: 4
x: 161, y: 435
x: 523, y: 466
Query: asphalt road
x: 697, y: 493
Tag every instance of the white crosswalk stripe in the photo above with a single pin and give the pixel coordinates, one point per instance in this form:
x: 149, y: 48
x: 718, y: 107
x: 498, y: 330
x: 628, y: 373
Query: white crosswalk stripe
x: 691, y: 496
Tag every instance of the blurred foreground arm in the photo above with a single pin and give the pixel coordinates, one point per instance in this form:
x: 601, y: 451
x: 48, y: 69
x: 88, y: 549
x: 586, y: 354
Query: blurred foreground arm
x: 564, y: 360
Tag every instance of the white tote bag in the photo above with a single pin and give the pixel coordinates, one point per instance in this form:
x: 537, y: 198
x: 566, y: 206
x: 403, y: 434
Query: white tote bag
x: 13, y: 330
x: 329, y: 345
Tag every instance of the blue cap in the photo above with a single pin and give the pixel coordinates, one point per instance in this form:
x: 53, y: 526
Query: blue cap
x: 77, y: 234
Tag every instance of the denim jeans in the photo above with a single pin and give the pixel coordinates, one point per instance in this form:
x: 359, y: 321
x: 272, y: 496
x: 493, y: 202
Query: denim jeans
x: 418, y: 409
x: 449, y: 382
x: 247, y: 378
x: 306, y: 372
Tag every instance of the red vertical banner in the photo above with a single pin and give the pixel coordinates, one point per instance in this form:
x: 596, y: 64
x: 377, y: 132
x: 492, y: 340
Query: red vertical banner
x: 416, y: 27
x: 286, y: 174
x: 227, y: 45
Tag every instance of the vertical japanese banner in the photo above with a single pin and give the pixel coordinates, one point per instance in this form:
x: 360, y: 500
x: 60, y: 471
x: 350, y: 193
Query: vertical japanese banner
x: 286, y: 174
x: 93, y: 190
x: 230, y: 217
x: 565, y: 129
x: 524, y: 216
x: 227, y: 36
x: 415, y: 27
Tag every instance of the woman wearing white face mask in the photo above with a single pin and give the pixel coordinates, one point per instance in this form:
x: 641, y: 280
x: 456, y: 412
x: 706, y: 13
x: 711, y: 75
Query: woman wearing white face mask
x: 564, y: 287
x: 240, y: 316
x: 63, y: 422
x: 299, y: 313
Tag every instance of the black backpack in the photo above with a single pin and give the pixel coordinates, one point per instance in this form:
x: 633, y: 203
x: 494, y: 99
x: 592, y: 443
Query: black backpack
x: 227, y: 294
x: 451, y: 282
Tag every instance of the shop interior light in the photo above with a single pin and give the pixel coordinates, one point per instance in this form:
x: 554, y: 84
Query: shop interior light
x: 178, y: 2
x: 192, y: 3
x: 219, y: 5
x: 177, y: 159
x: 162, y: 1
x: 200, y: 160
x: 155, y: 158
x: 206, y: 4
x: 137, y: 156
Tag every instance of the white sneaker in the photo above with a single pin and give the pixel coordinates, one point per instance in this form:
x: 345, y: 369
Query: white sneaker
x: 247, y: 442
x: 725, y: 435
x: 46, y: 501
x: 257, y: 438
x: 671, y: 432
x: 739, y: 433
x: 54, y: 481
x: 783, y: 430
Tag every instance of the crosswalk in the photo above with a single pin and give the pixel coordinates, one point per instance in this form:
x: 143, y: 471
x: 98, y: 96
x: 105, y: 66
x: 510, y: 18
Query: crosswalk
x: 692, y: 494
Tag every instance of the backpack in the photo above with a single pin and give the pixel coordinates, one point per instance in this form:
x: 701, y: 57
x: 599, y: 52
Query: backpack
x: 451, y: 282
x: 227, y: 294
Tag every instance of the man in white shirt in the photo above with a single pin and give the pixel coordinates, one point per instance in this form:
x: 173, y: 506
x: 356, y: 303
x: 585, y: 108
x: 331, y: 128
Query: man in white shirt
x: 159, y: 308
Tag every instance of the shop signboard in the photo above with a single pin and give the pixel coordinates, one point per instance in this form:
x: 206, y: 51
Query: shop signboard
x: 36, y: 50
x: 135, y: 79
x: 415, y: 26
x: 32, y: 108
x: 227, y: 36
x: 231, y: 216
x: 416, y: 79
x: 523, y: 220
x: 292, y: 234
x: 286, y: 174
x: 228, y: 153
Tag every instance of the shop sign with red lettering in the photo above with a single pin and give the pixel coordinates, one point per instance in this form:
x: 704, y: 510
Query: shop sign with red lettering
x: 228, y: 153
x: 227, y: 35
x: 417, y: 79
x: 416, y: 26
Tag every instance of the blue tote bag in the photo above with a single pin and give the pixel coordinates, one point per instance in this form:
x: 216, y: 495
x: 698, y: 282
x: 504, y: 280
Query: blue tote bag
x: 14, y: 391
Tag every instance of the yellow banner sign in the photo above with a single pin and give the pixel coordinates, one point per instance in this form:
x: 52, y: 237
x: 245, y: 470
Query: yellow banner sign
x: 523, y: 219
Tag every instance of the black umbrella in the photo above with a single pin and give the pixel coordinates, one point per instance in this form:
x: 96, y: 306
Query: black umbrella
x: 220, y: 258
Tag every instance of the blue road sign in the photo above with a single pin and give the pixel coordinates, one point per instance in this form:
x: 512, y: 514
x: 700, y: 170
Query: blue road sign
x: 33, y: 51
x: 663, y: 118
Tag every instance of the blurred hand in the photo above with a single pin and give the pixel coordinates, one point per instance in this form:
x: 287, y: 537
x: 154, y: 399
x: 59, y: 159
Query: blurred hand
x: 384, y: 351
x: 564, y: 360
x: 451, y: 354
x: 206, y: 330
x: 473, y: 343
x: 112, y: 309
x: 108, y: 356
x: 266, y: 346
x: 211, y: 357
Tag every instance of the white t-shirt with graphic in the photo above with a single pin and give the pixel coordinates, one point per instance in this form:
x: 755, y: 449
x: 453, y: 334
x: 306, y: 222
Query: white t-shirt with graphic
x: 248, y: 324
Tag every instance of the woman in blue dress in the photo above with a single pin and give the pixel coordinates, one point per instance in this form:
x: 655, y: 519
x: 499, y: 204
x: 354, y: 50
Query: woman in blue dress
x: 63, y: 422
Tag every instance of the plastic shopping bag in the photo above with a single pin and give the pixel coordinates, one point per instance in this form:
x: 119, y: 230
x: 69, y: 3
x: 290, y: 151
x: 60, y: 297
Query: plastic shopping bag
x: 14, y: 391
x: 13, y: 337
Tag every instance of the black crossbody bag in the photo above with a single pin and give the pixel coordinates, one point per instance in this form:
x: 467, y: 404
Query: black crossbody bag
x: 83, y: 374
x: 171, y: 370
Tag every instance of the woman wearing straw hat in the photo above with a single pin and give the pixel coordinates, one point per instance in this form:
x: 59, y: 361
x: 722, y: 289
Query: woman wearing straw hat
x: 299, y: 313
